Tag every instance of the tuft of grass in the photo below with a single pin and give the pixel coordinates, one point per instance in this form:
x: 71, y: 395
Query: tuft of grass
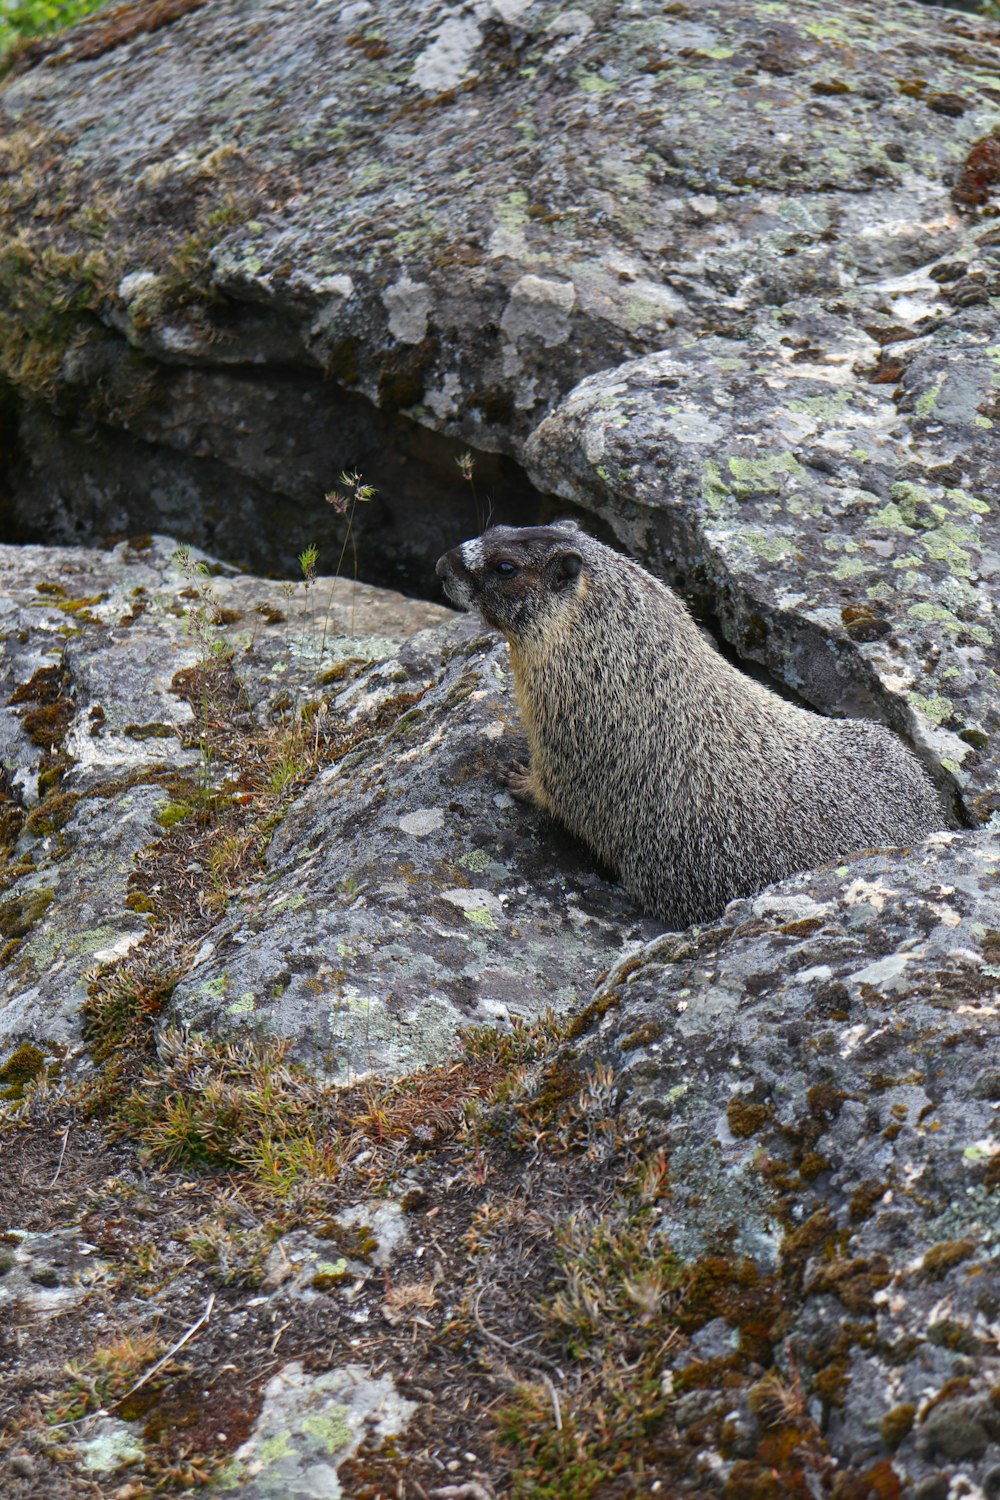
x: 233, y: 1105
x: 109, y: 1373
x: 22, y: 19
x: 613, y: 1315
x: 123, y: 1003
x: 345, y: 501
x: 515, y: 1046
x: 245, y: 1106
x: 232, y: 1243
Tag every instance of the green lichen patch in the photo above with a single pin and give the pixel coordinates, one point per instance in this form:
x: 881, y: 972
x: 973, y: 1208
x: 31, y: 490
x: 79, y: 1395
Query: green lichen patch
x: 763, y: 476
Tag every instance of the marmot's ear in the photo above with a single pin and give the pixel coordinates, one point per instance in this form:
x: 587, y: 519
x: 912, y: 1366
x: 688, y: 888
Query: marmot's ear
x: 568, y: 565
x: 565, y: 523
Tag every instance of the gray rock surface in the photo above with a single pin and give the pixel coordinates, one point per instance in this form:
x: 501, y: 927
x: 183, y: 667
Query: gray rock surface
x: 847, y: 542
x: 308, y: 1425
x: 495, y: 201
x: 46, y: 1274
x: 94, y: 735
x: 405, y: 894
x: 821, y: 1069
x: 353, y: 1247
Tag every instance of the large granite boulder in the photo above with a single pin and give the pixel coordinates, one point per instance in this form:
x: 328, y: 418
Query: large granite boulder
x: 847, y: 542
x: 249, y: 246
x: 403, y: 893
x: 820, y: 1069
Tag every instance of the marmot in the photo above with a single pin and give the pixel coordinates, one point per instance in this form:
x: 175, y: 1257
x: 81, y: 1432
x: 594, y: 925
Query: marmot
x: 691, y: 781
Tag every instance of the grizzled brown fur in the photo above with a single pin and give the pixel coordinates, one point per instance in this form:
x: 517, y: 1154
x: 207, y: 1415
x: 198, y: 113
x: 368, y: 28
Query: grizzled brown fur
x: 693, y: 782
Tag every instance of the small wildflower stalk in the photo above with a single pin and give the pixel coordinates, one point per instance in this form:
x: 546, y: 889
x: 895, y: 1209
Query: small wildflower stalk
x: 466, y: 467
x: 345, y: 501
x: 307, y: 562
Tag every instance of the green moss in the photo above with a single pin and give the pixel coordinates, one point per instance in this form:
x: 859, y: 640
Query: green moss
x: 174, y: 812
x: 825, y: 1101
x: 53, y: 773
x: 897, y: 1424
x: 20, y: 1068
x: 154, y: 731
x: 949, y: 1333
x: 46, y: 725
x: 800, y: 1244
x: 341, y: 671
x: 941, y: 1258
x: 181, y: 789
x: 746, y: 1118
x: 20, y: 913
x: 831, y: 1383
x: 51, y: 814
x: 863, y: 1200
x: 854, y: 1282
x: 49, y: 294
x: 406, y: 722
x: 643, y: 1036
x: 354, y: 1240
x: 82, y: 607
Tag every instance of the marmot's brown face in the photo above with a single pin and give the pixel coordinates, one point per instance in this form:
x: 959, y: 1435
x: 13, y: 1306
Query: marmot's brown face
x: 515, y: 576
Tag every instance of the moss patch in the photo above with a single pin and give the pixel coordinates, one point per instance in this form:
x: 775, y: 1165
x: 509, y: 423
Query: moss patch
x: 24, y: 1065
x: 18, y: 914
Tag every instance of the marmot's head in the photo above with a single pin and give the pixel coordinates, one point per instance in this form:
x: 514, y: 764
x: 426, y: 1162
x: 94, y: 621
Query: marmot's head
x: 517, y: 577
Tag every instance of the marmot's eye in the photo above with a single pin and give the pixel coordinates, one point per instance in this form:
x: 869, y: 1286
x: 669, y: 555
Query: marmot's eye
x: 506, y: 568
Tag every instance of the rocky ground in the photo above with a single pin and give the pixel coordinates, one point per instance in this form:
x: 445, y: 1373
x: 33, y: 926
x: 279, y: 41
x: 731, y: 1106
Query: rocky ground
x: 323, y: 1154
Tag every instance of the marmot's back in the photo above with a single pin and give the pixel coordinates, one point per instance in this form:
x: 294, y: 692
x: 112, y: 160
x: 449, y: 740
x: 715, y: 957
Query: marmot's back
x: 690, y: 780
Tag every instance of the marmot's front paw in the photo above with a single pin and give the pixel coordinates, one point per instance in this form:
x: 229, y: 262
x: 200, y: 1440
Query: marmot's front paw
x: 521, y: 784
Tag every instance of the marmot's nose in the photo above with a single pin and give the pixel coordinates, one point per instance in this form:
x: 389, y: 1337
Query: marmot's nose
x: 443, y: 565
